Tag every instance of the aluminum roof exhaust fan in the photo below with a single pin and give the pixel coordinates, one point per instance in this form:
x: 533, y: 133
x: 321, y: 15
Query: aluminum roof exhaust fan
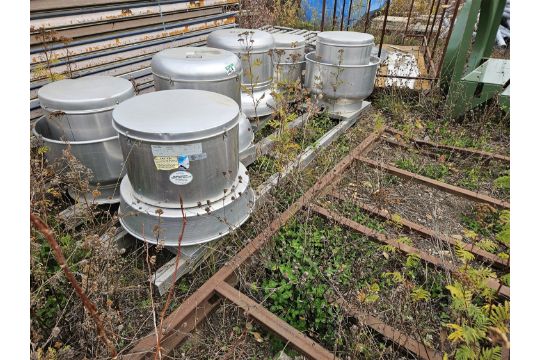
x: 254, y: 48
x: 341, y: 70
x: 181, y: 145
x: 203, y: 68
x: 78, y: 118
x: 288, y: 57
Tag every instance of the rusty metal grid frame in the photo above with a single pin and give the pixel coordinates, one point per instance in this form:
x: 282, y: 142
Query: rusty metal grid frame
x: 179, y: 324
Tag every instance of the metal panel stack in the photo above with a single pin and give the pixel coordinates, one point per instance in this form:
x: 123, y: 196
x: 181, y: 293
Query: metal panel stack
x: 70, y: 39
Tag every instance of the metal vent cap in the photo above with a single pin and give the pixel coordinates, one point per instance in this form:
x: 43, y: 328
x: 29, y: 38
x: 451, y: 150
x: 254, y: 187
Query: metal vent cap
x: 85, y: 94
x: 240, y: 40
x: 175, y: 115
x: 196, y: 64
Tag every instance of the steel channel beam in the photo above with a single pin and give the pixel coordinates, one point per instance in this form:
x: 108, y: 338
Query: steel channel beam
x: 119, y: 15
x: 396, y: 336
x: 101, y: 28
x: 469, y: 151
x: 298, y: 340
x: 493, y: 284
x: 58, y: 53
x: 422, y: 230
x: 42, y: 5
x: 407, y: 175
x: 227, y: 273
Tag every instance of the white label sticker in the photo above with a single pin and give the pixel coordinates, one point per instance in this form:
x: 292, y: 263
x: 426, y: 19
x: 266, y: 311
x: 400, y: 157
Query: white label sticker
x: 176, y: 150
x: 181, y: 177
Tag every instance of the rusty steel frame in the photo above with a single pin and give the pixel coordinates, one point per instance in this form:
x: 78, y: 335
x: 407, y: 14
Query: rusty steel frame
x: 179, y: 324
x: 427, y: 53
x: 407, y: 175
x: 198, y: 302
x: 422, y: 230
x: 470, y: 151
x: 396, y: 336
x: 493, y: 284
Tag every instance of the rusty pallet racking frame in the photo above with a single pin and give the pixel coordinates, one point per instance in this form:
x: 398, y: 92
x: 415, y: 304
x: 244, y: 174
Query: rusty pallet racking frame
x: 183, y: 320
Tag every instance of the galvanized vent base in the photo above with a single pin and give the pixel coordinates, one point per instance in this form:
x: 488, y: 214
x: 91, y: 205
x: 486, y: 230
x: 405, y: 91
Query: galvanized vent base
x: 205, y: 223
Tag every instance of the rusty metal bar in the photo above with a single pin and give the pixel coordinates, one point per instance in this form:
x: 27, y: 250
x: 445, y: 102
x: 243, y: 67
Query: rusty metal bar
x: 334, y: 15
x: 407, y: 77
x: 429, y: 20
x: 431, y: 64
x: 480, y: 153
x: 342, y: 14
x: 201, y: 296
x: 422, y: 230
x: 383, y: 27
x: 445, y: 6
x: 349, y: 14
x: 409, y: 17
x: 301, y: 342
x: 494, y: 284
x: 367, y: 15
x: 434, y: 183
x: 391, y: 333
x: 452, y: 22
x: 322, y: 14
x: 433, y: 23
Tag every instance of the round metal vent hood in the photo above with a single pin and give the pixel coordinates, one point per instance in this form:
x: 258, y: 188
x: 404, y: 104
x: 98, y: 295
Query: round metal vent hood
x: 203, y: 68
x: 103, y: 157
x: 179, y: 143
x: 288, y: 58
x: 344, y: 47
x: 80, y: 109
x: 254, y: 48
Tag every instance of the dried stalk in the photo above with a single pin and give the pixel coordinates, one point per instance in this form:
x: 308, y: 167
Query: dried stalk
x: 40, y: 226
x: 171, y: 290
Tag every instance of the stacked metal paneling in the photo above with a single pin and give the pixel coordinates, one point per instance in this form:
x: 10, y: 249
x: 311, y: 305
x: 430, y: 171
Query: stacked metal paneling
x: 85, y: 37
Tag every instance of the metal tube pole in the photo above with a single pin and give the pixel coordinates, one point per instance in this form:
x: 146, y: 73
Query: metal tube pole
x: 384, y: 27
x: 322, y: 15
x: 367, y: 15
x: 342, y: 15
x: 452, y: 22
x: 439, y: 28
x: 349, y: 14
x: 409, y: 17
x: 429, y: 19
x: 433, y: 23
x: 334, y: 15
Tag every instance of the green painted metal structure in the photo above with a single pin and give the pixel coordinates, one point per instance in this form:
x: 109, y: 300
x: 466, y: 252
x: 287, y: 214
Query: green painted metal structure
x: 468, y: 76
